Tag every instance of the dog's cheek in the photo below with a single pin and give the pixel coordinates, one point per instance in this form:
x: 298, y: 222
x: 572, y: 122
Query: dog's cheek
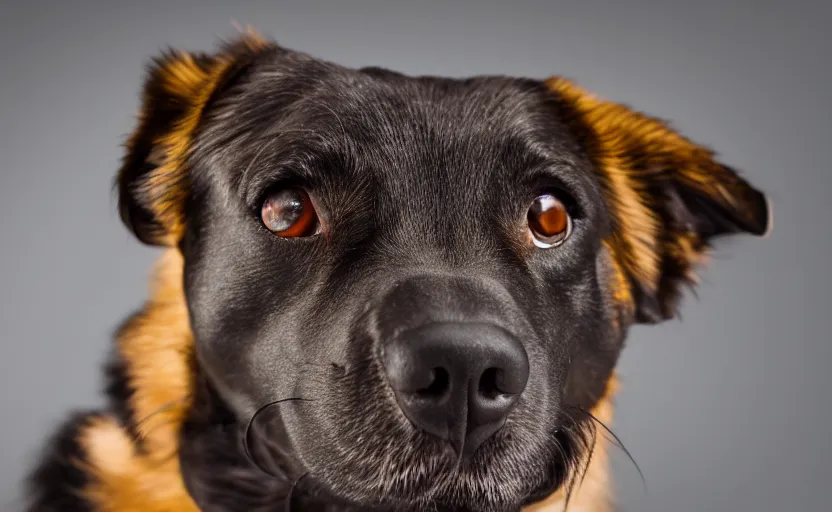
x: 602, y: 335
x: 245, y: 295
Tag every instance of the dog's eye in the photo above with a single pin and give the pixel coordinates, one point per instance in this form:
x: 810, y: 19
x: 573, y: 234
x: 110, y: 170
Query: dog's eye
x: 549, y: 221
x: 289, y: 213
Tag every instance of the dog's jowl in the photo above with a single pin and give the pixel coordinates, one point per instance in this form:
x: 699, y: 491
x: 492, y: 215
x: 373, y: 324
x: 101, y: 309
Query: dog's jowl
x: 383, y: 292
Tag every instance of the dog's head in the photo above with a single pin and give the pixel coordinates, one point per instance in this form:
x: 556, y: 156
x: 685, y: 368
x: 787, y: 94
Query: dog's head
x: 429, y: 279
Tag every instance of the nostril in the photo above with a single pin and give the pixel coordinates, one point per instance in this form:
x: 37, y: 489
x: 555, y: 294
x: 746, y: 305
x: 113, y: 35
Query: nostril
x: 457, y: 381
x: 440, y: 383
x: 489, y: 386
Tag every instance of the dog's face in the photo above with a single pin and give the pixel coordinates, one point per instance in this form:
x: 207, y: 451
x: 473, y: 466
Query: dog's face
x: 422, y: 283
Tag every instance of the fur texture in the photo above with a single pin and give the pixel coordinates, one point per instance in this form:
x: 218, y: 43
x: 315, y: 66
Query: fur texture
x: 252, y: 378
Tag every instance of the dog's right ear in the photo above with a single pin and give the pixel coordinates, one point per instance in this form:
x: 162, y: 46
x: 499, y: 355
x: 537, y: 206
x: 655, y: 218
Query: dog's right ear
x: 153, y: 184
x: 668, y: 198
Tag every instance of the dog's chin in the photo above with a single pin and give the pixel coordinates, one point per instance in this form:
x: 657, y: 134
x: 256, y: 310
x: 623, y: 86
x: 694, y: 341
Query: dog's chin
x: 425, y: 473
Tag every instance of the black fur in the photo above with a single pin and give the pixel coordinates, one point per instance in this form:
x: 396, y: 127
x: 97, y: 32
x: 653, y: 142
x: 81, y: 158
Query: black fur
x: 422, y: 185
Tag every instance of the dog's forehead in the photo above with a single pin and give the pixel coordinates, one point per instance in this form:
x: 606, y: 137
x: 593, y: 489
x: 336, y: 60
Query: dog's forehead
x: 395, y: 121
x: 378, y: 100
x: 433, y: 145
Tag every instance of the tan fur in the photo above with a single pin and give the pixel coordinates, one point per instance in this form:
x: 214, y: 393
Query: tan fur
x: 126, y: 480
x: 157, y: 346
x: 633, y: 153
x: 190, y: 83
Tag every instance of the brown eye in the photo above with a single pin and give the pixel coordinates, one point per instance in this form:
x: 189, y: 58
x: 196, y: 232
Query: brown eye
x: 549, y: 222
x: 289, y: 213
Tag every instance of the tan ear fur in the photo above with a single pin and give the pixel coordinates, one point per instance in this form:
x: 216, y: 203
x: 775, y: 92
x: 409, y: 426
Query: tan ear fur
x: 667, y: 196
x: 153, y: 182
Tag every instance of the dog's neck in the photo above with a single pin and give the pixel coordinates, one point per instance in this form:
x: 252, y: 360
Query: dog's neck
x: 138, y: 466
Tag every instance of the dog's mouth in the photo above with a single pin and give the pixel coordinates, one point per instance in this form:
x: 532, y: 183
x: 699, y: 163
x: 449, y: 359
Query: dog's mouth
x: 422, y: 473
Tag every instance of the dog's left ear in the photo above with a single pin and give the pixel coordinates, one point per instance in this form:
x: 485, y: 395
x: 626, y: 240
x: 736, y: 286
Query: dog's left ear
x: 153, y: 183
x: 667, y: 197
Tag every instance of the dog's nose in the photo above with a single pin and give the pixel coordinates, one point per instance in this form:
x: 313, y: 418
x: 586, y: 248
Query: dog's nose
x: 457, y: 381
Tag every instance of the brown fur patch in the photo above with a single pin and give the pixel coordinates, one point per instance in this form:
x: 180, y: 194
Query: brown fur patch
x: 637, y: 157
x: 125, y: 480
x: 180, y: 87
x: 157, y: 346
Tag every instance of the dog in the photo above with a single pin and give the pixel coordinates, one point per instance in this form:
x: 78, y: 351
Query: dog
x: 383, y: 292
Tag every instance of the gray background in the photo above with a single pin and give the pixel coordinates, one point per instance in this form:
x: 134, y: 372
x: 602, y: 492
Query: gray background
x: 726, y: 411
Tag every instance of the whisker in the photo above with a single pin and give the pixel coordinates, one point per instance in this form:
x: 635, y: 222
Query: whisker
x: 617, y: 442
x: 291, y: 492
x: 168, y: 406
x: 589, y: 457
x: 142, y: 433
x: 246, y: 435
x: 584, y: 436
